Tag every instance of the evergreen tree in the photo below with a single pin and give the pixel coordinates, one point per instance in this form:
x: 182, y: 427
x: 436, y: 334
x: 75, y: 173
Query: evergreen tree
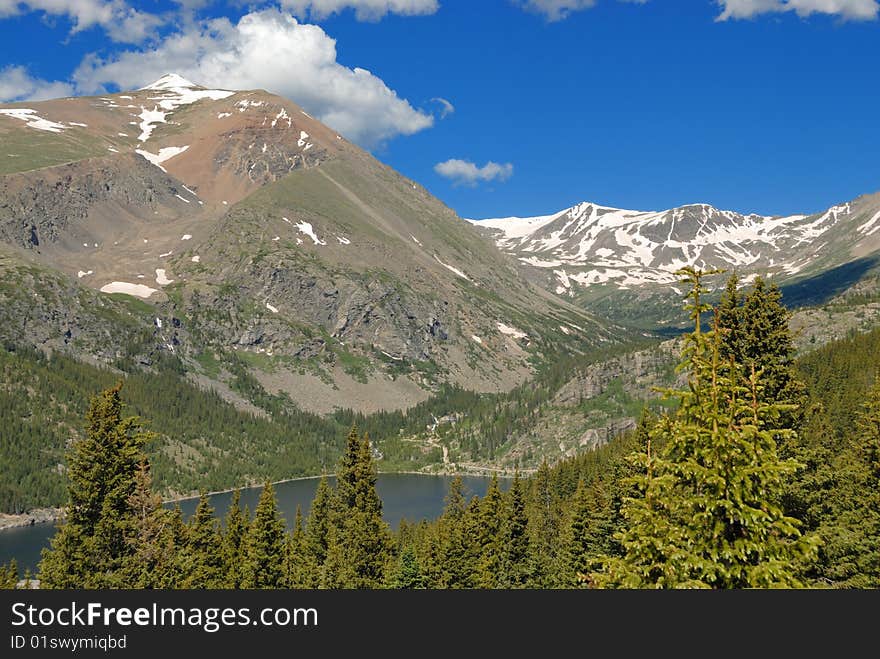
x: 297, y: 568
x: 544, y: 526
x: 586, y: 534
x: 708, y: 512
x: 408, y: 574
x: 514, y: 566
x: 263, y: 565
x: 768, y: 348
x: 359, y: 548
x: 150, y: 562
x: 316, y: 541
x: 90, y: 546
x: 9, y: 575
x: 730, y: 320
x: 489, y: 517
x: 851, y: 528
x: 203, y: 559
x: 235, y: 529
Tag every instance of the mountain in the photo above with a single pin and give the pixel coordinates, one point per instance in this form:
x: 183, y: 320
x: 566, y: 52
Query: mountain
x: 230, y: 227
x: 623, y: 262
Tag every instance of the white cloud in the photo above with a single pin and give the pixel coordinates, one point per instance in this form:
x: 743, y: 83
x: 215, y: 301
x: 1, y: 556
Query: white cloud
x: 364, y: 10
x: 446, y: 108
x: 267, y: 50
x: 16, y: 84
x: 556, y: 10
x: 846, y: 9
x: 466, y: 172
x: 122, y: 22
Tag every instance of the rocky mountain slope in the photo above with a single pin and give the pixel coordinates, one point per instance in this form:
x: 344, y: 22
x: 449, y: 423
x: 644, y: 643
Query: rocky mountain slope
x: 250, y: 229
x: 608, y: 257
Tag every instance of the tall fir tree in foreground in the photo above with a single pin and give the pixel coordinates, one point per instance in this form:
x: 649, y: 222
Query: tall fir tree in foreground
x: 90, y: 546
x: 264, y: 545
x: 359, y: 543
x: 708, y: 512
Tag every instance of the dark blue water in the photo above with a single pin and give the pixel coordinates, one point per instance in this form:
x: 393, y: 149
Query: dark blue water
x: 404, y: 496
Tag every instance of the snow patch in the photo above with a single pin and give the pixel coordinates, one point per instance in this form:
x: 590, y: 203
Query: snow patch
x: 452, y: 268
x: 416, y: 240
x: 477, y: 339
x: 183, y: 199
x: 306, y: 228
x: 186, y: 236
x: 165, y: 153
x: 137, y: 290
x: 343, y: 240
x: 169, y: 253
x: 271, y: 308
x: 33, y: 120
x: 510, y: 331
x: 161, y: 279
x: 196, y: 259
x: 223, y: 115
x: 84, y: 273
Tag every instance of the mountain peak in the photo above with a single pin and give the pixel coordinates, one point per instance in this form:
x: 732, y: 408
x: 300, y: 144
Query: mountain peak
x: 171, y: 81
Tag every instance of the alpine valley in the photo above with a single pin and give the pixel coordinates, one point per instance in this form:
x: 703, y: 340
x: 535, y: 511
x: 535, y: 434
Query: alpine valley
x: 261, y: 283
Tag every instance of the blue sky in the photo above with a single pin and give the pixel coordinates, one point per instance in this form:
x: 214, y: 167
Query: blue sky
x: 517, y: 107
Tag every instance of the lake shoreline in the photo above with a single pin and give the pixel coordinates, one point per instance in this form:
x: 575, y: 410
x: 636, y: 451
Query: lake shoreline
x: 30, y: 518
x: 50, y: 515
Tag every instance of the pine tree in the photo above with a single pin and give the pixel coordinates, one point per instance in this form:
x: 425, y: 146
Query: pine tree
x: 9, y: 575
x: 768, y: 348
x: 359, y: 548
x: 489, y: 516
x: 852, y: 525
x: 316, y: 542
x: 90, y: 546
x: 544, y: 526
x: 453, y: 559
x: 513, y: 569
x: 297, y: 568
x: 708, y: 511
x: 730, y: 320
x: 586, y: 534
x: 151, y: 560
x: 263, y: 565
x: 203, y: 564
x: 235, y: 529
x: 408, y: 574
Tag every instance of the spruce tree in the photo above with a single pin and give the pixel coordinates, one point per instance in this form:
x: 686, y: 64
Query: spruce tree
x: 708, y: 512
x: 514, y: 569
x: 234, y: 531
x: 544, y: 526
x: 89, y: 546
x: 359, y: 548
x: 317, y: 537
x: 9, y: 575
x: 489, y: 517
x: 851, y: 524
x: 151, y: 560
x: 203, y: 560
x: 263, y: 565
x: 586, y: 534
x: 730, y: 320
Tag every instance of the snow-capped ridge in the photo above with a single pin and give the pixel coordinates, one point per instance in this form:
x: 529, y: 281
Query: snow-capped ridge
x: 589, y: 244
x: 171, y: 81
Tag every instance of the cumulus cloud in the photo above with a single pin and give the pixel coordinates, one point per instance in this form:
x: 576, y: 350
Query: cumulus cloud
x: 122, y: 22
x: 269, y: 50
x: 856, y: 10
x: 446, y: 108
x: 16, y: 84
x: 364, y: 10
x: 467, y: 173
